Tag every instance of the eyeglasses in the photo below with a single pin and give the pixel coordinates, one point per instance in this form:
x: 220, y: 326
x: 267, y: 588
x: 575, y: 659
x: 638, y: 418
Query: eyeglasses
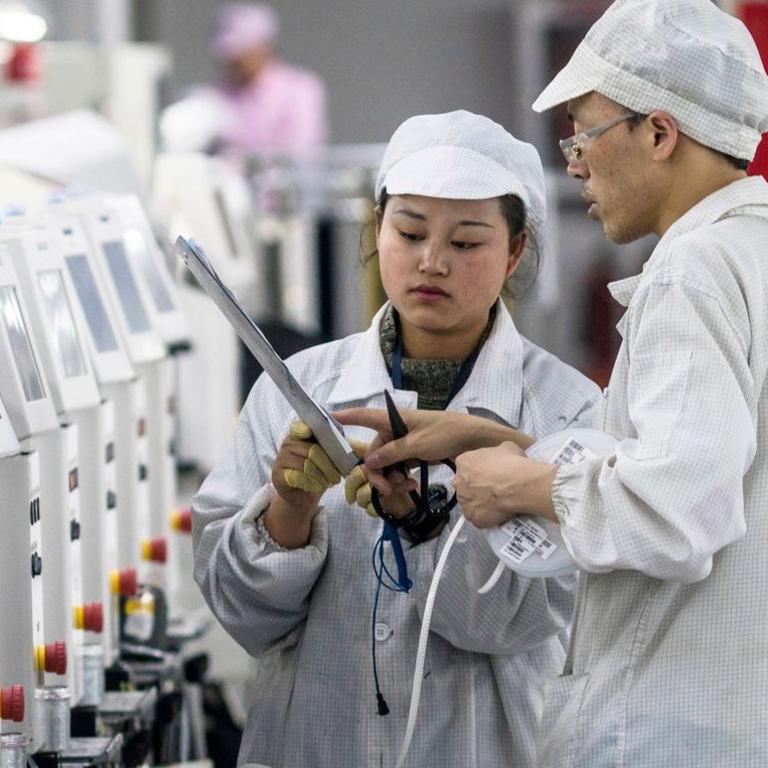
x: 573, y: 148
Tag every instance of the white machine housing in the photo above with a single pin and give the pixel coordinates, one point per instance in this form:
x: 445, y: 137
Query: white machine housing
x: 136, y: 321
x: 145, y: 254
x: 56, y: 446
x: 56, y: 319
x: 59, y: 326
x: 21, y: 598
x: 128, y: 499
x: 60, y: 531
x: 203, y: 198
x: 126, y: 293
x: 148, y: 264
x: 22, y: 382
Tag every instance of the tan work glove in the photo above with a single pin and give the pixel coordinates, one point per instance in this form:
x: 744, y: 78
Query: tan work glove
x: 318, y: 472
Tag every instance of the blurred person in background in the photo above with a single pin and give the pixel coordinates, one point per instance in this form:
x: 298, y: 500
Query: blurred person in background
x: 262, y: 106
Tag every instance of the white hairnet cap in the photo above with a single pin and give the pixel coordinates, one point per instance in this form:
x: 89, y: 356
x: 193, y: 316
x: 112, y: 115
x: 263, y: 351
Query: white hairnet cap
x: 241, y: 26
x: 686, y: 57
x: 463, y: 156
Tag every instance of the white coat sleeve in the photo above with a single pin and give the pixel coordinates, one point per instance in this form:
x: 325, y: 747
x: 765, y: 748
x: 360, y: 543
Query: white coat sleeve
x: 257, y: 590
x: 672, y: 496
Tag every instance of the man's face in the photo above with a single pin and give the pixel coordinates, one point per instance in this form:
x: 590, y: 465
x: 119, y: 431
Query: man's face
x: 248, y: 65
x: 616, y: 171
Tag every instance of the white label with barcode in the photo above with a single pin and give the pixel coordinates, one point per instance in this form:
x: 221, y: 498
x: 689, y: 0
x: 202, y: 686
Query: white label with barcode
x: 573, y: 452
x: 527, y: 537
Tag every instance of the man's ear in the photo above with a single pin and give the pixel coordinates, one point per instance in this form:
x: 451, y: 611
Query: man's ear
x: 665, y: 134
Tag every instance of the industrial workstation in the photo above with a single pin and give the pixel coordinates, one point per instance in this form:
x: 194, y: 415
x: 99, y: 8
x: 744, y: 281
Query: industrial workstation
x: 384, y: 385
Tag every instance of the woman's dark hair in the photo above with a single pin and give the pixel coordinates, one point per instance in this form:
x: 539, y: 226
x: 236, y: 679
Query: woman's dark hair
x: 515, y: 214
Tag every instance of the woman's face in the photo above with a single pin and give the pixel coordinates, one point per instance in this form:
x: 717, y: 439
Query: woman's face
x: 443, y: 262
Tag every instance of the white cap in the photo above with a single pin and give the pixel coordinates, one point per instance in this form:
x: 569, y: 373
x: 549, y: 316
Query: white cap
x: 243, y: 26
x: 463, y: 156
x: 686, y: 57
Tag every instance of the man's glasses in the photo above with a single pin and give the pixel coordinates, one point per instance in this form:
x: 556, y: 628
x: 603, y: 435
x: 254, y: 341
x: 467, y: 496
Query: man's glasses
x: 573, y: 148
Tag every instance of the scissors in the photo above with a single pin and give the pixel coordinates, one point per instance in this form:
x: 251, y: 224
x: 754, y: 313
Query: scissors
x: 431, y: 505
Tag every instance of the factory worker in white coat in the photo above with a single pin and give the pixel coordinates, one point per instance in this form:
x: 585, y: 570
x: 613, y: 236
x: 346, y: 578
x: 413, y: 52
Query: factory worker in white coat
x: 284, y: 560
x: 668, y: 664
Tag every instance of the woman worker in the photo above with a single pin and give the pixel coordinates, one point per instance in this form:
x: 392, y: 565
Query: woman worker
x: 284, y: 560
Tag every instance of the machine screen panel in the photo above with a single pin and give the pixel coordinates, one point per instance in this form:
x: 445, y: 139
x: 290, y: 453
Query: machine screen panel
x: 90, y: 300
x: 151, y: 271
x: 65, y: 337
x: 21, y: 348
x: 127, y: 290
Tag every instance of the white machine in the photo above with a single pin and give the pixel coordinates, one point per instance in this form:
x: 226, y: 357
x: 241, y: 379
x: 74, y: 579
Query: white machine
x: 203, y: 198
x: 58, y: 327
x: 163, y: 307
x: 20, y: 502
x: 144, y: 253
x: 30, y: 410
x: 120, y: 385
x: 147, y: 353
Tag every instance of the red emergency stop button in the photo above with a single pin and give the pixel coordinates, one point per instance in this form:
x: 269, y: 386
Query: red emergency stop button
x: 89, y: 617
x: 154, y: 550
x: 124, y: 582
x: 52, y: 657
x: 181, y: 520
x: 12, y: 703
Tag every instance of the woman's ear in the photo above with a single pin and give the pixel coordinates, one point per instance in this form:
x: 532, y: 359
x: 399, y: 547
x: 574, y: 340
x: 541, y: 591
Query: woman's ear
x: 517, y: 246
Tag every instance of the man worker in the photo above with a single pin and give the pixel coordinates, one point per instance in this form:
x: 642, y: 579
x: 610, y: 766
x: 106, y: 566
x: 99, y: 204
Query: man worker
x: 274, y: 107
x: 263, y: 105
x: 668, y: 664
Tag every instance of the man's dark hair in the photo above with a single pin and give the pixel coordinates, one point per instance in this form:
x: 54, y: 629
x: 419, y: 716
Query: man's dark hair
x: 739, y: 163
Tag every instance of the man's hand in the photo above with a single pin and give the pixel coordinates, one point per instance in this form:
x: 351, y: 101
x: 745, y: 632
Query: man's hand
x: 432, y: 436
x: 495, y: 484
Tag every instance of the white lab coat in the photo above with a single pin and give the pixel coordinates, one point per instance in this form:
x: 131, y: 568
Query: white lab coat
x: 669, y: 659
x: 306, y: 613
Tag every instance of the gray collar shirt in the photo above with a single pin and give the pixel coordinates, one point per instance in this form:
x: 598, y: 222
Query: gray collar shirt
x: 668, y: 664
x: 305, y: 614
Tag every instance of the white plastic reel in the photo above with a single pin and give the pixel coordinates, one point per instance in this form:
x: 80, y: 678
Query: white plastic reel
x: 533, y: 546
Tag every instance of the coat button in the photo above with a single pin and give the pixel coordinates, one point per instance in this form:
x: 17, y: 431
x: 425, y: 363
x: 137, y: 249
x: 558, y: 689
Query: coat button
x: 382, y: 632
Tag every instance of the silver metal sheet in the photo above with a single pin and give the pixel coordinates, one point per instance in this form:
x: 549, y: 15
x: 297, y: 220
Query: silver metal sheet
x: 326, y: 430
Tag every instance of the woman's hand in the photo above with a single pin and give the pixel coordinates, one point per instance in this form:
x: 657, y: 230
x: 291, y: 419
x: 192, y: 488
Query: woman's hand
x: 398, y: 503
x: 496, y: 484
x: 301, y: 473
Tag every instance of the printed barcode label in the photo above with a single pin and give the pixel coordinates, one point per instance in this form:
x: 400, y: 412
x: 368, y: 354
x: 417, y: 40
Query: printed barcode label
x: 527, y: 537
x: 516, y: 552
x: 545, y: 548
x: 573, y: 452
